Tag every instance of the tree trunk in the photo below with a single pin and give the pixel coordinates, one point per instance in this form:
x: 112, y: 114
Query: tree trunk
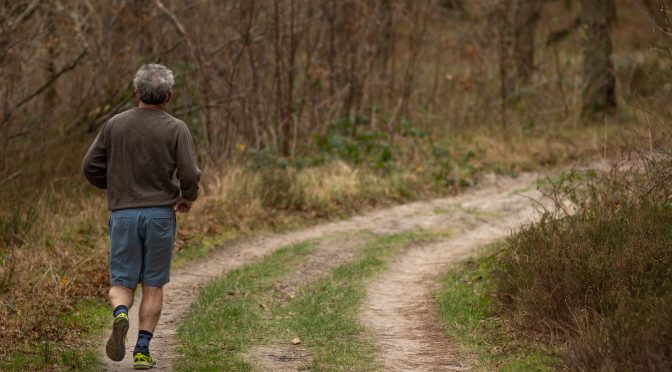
x: 526, y: 17
x: 505, y: 31
x: 598, y: 93
x: 505, y: 47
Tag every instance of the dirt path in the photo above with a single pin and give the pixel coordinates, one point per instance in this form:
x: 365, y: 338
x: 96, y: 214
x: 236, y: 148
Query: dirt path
x: 438, y: 213
x: 400, y: 306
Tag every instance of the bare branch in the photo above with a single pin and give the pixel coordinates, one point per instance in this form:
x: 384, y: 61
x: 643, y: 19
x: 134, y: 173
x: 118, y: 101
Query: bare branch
x: 26, y: 14
x: 44, y: 86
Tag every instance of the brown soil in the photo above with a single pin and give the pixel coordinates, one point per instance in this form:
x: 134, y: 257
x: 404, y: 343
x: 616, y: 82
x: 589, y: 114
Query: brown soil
x: 400, y: 307
x: 330, y: 253
x: 280, y: 358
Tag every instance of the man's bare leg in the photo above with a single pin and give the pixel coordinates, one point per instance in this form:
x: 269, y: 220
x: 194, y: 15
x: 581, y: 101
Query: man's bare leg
x: 150, y: 312
x: 150, y: 307
x: 120, y: 295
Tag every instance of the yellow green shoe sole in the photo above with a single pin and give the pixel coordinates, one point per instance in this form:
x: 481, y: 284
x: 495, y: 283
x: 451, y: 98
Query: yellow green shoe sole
x: 116, y: 344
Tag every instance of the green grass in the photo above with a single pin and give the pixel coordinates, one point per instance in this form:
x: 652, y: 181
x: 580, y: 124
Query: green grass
x: 228, y: 315
x: 205, y: 244
x: 243, y: 309
x: 467, y: 309
x: 326, y: 319
x: 89, y: 318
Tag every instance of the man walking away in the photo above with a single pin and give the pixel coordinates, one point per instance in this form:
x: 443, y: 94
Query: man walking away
x: 145, y: 159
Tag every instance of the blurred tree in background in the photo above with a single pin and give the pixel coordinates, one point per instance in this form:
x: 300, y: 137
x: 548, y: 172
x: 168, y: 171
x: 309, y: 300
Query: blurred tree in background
x: 275, y: 75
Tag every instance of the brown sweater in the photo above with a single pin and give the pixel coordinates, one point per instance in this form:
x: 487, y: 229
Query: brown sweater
x: 144, y: 158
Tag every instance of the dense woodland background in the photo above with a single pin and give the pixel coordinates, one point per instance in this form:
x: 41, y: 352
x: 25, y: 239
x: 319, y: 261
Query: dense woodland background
x: 275, y: 74
x: 303, y: 110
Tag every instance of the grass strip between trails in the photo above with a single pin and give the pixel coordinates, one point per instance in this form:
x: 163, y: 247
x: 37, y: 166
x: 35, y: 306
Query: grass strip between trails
x: 243, y: 309
x: 467, y: 310
x: 228, y: 315
x: 327, y: 312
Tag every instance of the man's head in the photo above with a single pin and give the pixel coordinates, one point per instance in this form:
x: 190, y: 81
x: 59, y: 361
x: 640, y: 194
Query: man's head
x: 153, y: 84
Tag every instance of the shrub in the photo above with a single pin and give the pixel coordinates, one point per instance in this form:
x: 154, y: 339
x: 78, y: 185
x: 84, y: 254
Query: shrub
x: 599, y: 280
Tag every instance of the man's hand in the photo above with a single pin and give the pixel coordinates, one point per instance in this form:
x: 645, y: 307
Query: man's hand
x: 183, y: 205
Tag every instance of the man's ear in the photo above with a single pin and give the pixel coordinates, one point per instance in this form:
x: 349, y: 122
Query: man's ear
x: 170, y: 95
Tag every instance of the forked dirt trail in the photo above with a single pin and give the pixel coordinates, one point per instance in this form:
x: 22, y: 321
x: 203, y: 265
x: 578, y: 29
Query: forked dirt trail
x: 399, y: 307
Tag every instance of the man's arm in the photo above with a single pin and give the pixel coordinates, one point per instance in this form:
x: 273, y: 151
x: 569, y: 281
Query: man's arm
x: 187, y: 169
x: 94, y: 165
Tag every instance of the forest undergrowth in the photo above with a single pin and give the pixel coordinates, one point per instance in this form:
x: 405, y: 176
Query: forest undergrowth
x: 54, y: 254
x: 301, y: 112
x: 585, y: 288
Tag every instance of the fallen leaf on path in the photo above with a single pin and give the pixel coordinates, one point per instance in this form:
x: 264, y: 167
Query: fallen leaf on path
x: 296, y: 341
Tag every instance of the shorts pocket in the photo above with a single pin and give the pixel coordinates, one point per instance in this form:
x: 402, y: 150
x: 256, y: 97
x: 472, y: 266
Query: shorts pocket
x: 162, y: 230
x: 158, y: 251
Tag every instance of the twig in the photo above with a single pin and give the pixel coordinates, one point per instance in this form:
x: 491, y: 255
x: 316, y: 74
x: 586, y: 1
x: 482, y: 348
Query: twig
x: 560, y: 35
x: 561, y: 78
x: 204, y: 83
x: 605, y: 137
x: 541, y: 205
x: 27, y: 13
x: 648, y: 124
x: 53, y: 78
x: 178, y: 26
x: 12, y: 45
x: 20, y: 134
x: 390, y: 123
x: 187, y: 109
x: 65, y: 69
x: 9, y: 178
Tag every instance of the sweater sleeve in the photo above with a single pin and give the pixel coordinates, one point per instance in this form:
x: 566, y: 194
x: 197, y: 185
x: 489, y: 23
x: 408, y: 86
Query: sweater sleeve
x: 187, y: 169
x: 94, y: 165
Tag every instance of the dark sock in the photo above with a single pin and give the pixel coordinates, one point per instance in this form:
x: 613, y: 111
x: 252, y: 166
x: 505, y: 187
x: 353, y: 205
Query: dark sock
x: 120, y: 309
x: 142, y: 346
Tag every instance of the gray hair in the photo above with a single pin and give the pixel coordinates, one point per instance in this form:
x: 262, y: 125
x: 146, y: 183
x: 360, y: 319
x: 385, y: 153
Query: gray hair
x: 152, y: 83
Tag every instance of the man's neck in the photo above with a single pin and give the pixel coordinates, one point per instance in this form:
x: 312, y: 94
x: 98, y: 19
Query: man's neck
x: 151, y: 106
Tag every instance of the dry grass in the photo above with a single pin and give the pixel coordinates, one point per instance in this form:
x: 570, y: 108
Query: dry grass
x: 54, y: 249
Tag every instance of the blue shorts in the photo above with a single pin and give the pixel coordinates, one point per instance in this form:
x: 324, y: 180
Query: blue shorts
x: 141, y: 246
